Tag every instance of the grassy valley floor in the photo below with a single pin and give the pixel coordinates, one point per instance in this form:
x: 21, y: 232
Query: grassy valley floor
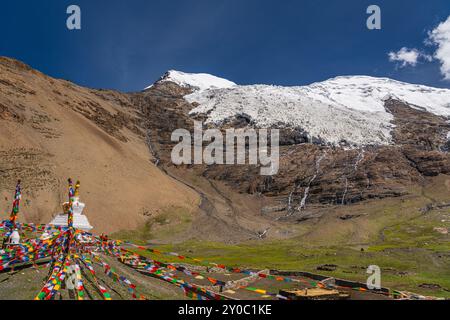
x: 406, y: 237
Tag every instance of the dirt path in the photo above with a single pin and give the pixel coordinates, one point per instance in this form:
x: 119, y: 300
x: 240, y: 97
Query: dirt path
x: 234, y: 214
x: 211, y: 208
x: 212, y: 219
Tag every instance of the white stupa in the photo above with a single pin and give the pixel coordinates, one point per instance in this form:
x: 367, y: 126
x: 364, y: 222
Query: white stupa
x: 80, y: 221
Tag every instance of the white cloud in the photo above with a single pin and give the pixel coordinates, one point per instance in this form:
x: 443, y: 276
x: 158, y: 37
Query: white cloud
x: 441, y: 38
x: 405, y: 56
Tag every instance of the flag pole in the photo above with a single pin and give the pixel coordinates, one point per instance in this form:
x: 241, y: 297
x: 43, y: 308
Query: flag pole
x: 16, y: 203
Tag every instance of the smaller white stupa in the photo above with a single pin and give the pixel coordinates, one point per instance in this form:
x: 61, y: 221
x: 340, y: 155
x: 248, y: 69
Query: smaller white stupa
x: 80, y: 221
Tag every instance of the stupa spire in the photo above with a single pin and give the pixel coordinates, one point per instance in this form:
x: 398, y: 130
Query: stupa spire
x: 77, y: 189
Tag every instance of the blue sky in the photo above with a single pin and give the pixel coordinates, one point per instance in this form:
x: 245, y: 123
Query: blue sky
x: 126, y: 45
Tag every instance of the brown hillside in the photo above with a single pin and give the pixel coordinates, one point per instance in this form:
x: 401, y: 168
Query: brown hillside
x: 52, y: 129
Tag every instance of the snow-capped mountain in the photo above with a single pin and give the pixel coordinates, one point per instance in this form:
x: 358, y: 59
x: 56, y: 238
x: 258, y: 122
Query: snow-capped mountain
x: 349, y: 109
x: 196, y: 81
x: 344, y: 140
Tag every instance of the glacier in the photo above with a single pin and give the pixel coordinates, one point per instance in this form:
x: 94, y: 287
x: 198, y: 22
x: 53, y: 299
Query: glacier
x: 344, y: 110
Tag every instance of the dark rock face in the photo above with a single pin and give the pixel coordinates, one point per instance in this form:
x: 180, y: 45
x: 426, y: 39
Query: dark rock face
x: 163, y: 110
x: 311, y: 172
x: 422, y: 137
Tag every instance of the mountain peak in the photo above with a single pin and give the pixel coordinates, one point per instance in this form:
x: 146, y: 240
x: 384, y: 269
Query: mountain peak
x: 198, y: 81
